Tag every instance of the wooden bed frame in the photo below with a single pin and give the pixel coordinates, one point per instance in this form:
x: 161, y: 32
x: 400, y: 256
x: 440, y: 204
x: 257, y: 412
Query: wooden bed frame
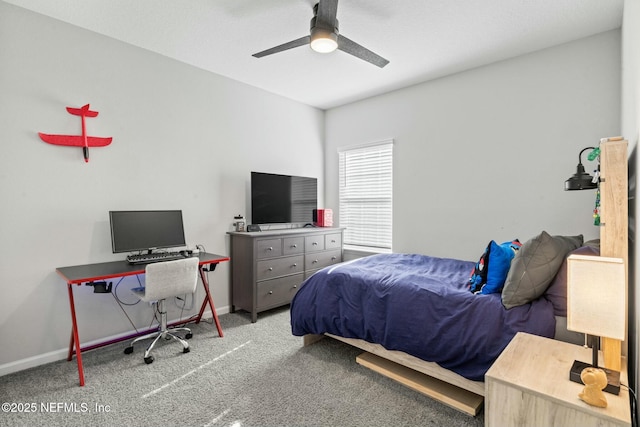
x: 428, y: 378
x: 468, y: 396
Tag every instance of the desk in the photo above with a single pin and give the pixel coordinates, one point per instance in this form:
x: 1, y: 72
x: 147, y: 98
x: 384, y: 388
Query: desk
x: 79, y: 274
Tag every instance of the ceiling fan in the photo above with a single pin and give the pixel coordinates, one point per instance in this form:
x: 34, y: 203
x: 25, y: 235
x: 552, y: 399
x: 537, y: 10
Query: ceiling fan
x: 325, y: 38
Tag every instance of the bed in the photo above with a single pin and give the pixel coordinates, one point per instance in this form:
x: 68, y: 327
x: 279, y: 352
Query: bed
x: 412, y: 308
x: 438, y: 327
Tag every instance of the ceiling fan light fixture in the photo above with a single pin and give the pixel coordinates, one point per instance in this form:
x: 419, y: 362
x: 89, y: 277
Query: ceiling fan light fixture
x: 325, y: 37
x: 323, y: 41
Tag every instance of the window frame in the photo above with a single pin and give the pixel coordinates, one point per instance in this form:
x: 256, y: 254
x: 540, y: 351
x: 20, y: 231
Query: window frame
x: 376, y: 158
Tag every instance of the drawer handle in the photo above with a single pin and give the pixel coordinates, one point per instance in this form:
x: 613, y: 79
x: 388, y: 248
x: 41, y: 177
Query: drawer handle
x: 270, y: 248
x: 270, y: 268
x: 295, y: 286
x: 294, y: 246
x: 315, y: 243
x: 333, y: 258
x: 295, y: 264
x: 314, y: 261
x: 270, y: 292
x: 333, y: 240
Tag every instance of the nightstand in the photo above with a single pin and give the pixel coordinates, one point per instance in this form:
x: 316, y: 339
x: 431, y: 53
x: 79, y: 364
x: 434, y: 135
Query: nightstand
x: 528, y: 385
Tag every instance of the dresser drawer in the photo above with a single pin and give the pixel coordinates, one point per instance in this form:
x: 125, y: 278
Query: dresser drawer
x: 333, y: 241
x: 314, y: 243
x: 323, y: 259
x: 293, y: 245
x: 277, y: 292
x: 270, y: 268
x: 269, y: 248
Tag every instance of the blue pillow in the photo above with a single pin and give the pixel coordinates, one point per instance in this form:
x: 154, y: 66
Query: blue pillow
x: 500, y: 257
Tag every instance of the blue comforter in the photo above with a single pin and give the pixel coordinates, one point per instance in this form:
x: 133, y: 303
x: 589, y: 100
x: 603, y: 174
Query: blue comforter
x: 419, y: 305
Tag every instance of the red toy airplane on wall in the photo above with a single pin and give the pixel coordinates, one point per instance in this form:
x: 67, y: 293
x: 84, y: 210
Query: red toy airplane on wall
x: 83, y: 140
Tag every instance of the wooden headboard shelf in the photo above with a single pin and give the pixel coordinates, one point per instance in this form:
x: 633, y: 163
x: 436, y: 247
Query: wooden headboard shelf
x: 614, y: 225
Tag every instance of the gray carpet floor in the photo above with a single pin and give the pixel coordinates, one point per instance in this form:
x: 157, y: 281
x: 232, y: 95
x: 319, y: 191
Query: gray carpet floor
x: 256, y: 375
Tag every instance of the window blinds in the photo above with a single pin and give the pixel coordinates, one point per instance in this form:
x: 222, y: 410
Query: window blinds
x: 366, y: 175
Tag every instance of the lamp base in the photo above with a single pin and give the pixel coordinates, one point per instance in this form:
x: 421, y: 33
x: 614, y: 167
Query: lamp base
x: 613, y: 377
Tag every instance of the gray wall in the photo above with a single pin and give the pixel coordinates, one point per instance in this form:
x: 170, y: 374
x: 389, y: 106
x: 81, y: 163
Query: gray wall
x: 484, y: 154
x: 199, y: 134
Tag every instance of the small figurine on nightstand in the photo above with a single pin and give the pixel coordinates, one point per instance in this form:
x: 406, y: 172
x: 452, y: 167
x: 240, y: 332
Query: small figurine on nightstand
x: 594, y: 380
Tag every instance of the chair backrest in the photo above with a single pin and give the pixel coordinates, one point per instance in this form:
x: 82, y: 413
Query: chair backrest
x: 170, y: 278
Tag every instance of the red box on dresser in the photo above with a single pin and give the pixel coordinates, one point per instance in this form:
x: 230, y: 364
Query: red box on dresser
x: 323, y: 217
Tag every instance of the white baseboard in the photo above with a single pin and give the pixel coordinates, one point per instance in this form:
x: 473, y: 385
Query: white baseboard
x: 54, y: 356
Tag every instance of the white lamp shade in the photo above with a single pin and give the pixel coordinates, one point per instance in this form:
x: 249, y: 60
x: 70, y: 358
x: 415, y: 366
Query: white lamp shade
x: 596, y: 296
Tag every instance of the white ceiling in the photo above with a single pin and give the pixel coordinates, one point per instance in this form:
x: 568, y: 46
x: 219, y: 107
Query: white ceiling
x: 422, y: 39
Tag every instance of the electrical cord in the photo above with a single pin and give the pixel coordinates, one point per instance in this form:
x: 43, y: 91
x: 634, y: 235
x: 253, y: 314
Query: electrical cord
x: 155, y: 315
x: 206, y: 272
x: 634, y: 405
x: 115, y: 292
x: 120, y: 303
x: 183, y: 307
x: 183, y: 299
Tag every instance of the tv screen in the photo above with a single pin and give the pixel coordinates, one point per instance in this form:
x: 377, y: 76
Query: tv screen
x: 146, y: 230
x: 277, y: 199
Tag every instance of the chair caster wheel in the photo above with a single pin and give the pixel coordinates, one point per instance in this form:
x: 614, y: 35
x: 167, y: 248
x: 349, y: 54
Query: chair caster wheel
x: 186, y: 350
x: 189, y: 336
x: 128, y: 350
x: 148, y: 359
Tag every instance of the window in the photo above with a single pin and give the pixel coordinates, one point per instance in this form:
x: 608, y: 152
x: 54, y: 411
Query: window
x: 366, y: 174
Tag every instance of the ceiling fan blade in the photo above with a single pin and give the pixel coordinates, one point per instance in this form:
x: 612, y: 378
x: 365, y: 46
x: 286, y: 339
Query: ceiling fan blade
x: 285, y: 46
x: 327, y: 12
x: 353, y: 48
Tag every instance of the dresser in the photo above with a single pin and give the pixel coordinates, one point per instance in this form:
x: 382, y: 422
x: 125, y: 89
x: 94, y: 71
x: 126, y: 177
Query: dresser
x: 268, y: 267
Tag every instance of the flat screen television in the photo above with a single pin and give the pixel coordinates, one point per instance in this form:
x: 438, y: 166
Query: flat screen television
x: 146, y: 230
x: 278, y: 199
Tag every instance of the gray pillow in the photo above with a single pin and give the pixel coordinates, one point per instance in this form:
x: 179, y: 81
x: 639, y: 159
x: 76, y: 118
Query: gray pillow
x: 534, y: 266
x: 556, y: 293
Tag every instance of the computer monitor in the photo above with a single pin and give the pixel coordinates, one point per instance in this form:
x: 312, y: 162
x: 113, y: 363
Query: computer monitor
x: 146, y: 230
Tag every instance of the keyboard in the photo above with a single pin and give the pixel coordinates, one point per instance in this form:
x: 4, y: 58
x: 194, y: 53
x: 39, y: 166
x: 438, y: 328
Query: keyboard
x: 154, y: 257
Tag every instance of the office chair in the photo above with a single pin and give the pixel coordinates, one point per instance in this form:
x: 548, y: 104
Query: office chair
x: 163, y: 280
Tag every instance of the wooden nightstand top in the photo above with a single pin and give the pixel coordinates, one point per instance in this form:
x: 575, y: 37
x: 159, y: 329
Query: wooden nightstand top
x: 540, y: 366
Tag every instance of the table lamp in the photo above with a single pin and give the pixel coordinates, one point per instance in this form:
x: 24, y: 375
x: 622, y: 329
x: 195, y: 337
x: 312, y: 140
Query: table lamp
x: 596, y: 299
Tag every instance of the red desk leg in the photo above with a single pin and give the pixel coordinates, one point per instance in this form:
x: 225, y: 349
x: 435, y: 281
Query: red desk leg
x: 208, y: 300
x: 75, y: 338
